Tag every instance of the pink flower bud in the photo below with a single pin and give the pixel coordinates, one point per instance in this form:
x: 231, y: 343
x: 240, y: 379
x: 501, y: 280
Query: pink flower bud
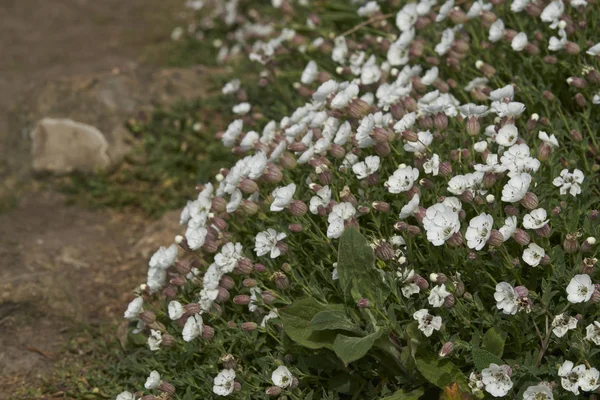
x: 577, y: 82
x: 413, y: 230
x: 381, y: 206
x: 384, y: 251
x: 382, y: 149
x: 223, y: 295
x: 260, y: 268
x: 298, y: 208
x: 281, y: 280
x: 438, y: 277
x: 401, y: 226
x: 580, y: 100
x: 227, y: 282
x: 440, y: 121
x: 420, y: 282
x: 192, y: 308
x: 337, y: 151
x: 521, y: 237
x: 363, y: 303
x: 473, y: 126
x: 242, y: 300
x: 272, y: 174
x: 446, y: 349
x: 166, y: 387
x: 511, y: 211
x: 295, y: 228
x: 274, y: 391
x: 248, y: 186
x: 570, y: 244
x: 449, y: 301
x: 288, y: 161
x: 521, y: 291
x: 544, y: 231
x: 530, y: 201
x: 244, y: 266
x: 496, y: 238
x: 167, y: 340
x: 249, y: 326
x: 576, y: 135
x: 228, y: 361
x: 148, y: 317
x: 456, y: 240
x: 268, y: 297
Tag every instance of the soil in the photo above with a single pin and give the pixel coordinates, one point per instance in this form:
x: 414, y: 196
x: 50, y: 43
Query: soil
x: 63, y: 266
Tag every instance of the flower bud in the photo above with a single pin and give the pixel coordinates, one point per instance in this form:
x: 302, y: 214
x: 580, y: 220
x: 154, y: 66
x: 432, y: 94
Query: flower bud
x: 413, y: 230
x: 248, y: 186
x: 249, y: 326
x: 218, y: 205
x: 166, y: 387
x: 545, y: 260
x: 496, y: 238
x: 572, y: 48
x: 260, y: 268
x: 438, y: 277
x: 511, y: 211
x: 182, y: 242
x: 544, y: 231
x: 401, y: 226
x: 272, y: 174
x: 362, y: 303
x: 177, y: 281
x: 281, y: 280
x: 167, y: 340
x: 298, y: 208
x: 449, y: 301
x: 440, y: 121
x: 381, y: 206
x: 283, y: 248
x: 382, y: 149
x: 274, y: 391
x: 248, y: 207
x: 530, y: 201
x: 588, y: 265
x: 576, y: 135
x: 297, y: 147
x: 445, y: 169
x: 244, y: 266
x: 242, y: 300
x: 295, y: 228
x: 570, y: 244
x: 593, y: 76
x: 456, y: 240
x: 358, y: 108
x: 192, y: 308
x: 337, y: 151
x: 446, y: 349
x: 148, y: 317
x: 544, y: 151
x: 288, y: 161
x: 587, y: 244
x: 473, y: 126
x: 223, y: 295
x: 521, y: 237
x: 384, y: 251
x: 596, y: 295
x: 149, y: 397
x: 363, y: 210
x: 580, y: 100
x: 577, y: 82
x: 467, y: 196
x: 237, y: 386
x: 227, y: 282
x: 170, y: 291
x: 268, y: 297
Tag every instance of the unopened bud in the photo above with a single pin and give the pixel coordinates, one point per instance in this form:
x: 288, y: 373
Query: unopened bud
x: 456, y: 240
x: 446, y: 349
x: 295, y: 228
x: 244, y: 266
x: 580, y: 100
x: 473, y: 126
x: 588, y: 244
x: 363, y: 303
x: 148, y: 317
x: 530, y: 201
x: 496, y: 238
x: 384, y: 251
x: 248, y: 186
x: 544, y: 231
x: 381, y: 206
x: 281, y: 280
x: 337, y: 151
x: 242, y: 300
x: 576, y: 135
x: 572, y: 48
x: 227, y: 282
x: 521, y: 237
x: 445, y: 169
x: 272, y: 174
x: 192, y: 308
x: 268, y: 297
x: 298, y: 208
x: 248, y: 207
x: 274, y: 391
x: 413, y: 230
x: 249, y: 326
x: 577, y: 82
x: 570, y: 244
x: 438, y: 277
x: 449, y: 301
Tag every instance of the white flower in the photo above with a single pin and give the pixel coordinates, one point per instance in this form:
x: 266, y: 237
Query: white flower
x: 232, y: 133
x: 164, y: 257
x: 533, y: 254
x: 310, y: 73
x: 512, y: 109
x: 504, y: 93
x: 516, y: 188
x: 437, y: 296
x: 535, y: 219
x: 153, y: 380
x: 154, y: 340
x: 195, y: 236
x: 589, y: 381
x: 569, y: 182
x: 410, y: 207
x: 134, y: 308
x: 368, y: 9
x: 496, y: 379
x: 365, y: 168
x: 538, y: 392
x: 420, y: 146
x: 507, y: 135
x: 266, y: 242
x: 475, y: 383
x: 272, y: 314
x: 594, y: 50
x: 407, y: 122
x: 440, y: 222
x: 231, y: 86
x: 460, y: 183
x: 444, y: 10
x: 551, y: 140
x: 282, y: 197
x: 241, y: 108
x: 496, y: 31
x: 453, y: 202
x: 342, y: 99
x: 563, y: 323
x: 370, y: 73
x: 580, y: 289
x: 322, y: 199
x: 427, y: 322
x: 558, y: 43
x: 552, y: 12
x: 506, y: 298
x: 175, y: 310
x: 432, y: 166
x: 282, y: 377
x: 157, y: 277
x: 570, y: 376
x: 223, y: 384
x: 407, y: 17
x: 192, y: 328
x: 445, y: 43
x: 402, y: 179
x: 479, y: 231
x: 509, y: 227
x: 480, y: 146
x: 593, y: 332
x: 519, y: 42
x: 125, y: 396
x: 229, y: 256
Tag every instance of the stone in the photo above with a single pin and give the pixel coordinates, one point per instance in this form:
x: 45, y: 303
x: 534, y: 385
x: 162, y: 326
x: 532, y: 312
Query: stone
x: 62, y: 146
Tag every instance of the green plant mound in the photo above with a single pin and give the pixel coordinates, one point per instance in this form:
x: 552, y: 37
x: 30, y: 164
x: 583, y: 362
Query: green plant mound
x: 423, y: 225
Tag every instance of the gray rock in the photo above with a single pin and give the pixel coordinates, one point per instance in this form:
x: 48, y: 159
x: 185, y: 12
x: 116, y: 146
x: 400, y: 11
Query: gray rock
x: 62, y: 146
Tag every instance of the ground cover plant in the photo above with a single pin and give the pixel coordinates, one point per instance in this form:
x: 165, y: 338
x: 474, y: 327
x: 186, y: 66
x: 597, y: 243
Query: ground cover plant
x: 422, y: 225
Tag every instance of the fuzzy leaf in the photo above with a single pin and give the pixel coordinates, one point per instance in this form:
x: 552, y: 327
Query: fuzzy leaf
x: 350, y: 349
x: 440, y: 372
x: 332, y: 320
x: 483, y: 358
x: 402, y: 395
x: 356, y: 271
x: 296, y: 320
x: 493, y: 341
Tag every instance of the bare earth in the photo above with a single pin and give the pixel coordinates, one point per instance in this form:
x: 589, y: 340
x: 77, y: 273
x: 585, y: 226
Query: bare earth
x: 62, y: 266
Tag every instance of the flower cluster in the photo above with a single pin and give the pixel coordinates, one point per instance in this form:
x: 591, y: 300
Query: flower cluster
x: 472, y: 186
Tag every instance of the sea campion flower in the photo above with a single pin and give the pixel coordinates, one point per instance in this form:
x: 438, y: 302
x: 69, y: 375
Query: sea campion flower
x: 282, y: 377
x: 569, y: 182
x: 533, y: 254
x: 571, y: 376
x: 506, y: 298
x: 479, y: 231
x: 592, y: 332
x: 536, y: 219
x: 402, y: 180
x: 440, y: 222
x: 365, y: 168
x: 282, y: 197
x: 266, y: 242
x: 153, y: 380
x: 580, y: 289
x: 437, y: 296
x: 496, y: 379
x: 223, y: 383
x: 538, y: 392
x: 192, y: 328
x: 515, y: 188
x: 563, y: 323
x: 427, y: 322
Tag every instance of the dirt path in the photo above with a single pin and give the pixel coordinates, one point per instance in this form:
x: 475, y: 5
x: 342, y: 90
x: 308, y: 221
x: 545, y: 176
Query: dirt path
x: 61, y: 265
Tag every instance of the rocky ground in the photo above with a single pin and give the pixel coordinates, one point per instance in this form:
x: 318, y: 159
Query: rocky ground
x: 64, y: 266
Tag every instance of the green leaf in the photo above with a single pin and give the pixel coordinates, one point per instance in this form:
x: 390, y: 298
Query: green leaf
x: 402, y: 395
x: 440, y: 372
x: 296, y: 320
x: 356, y: 271
x: 493, y: 341
x: 350, y: 349
x: 332, y: 320
x: 483, y: 358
